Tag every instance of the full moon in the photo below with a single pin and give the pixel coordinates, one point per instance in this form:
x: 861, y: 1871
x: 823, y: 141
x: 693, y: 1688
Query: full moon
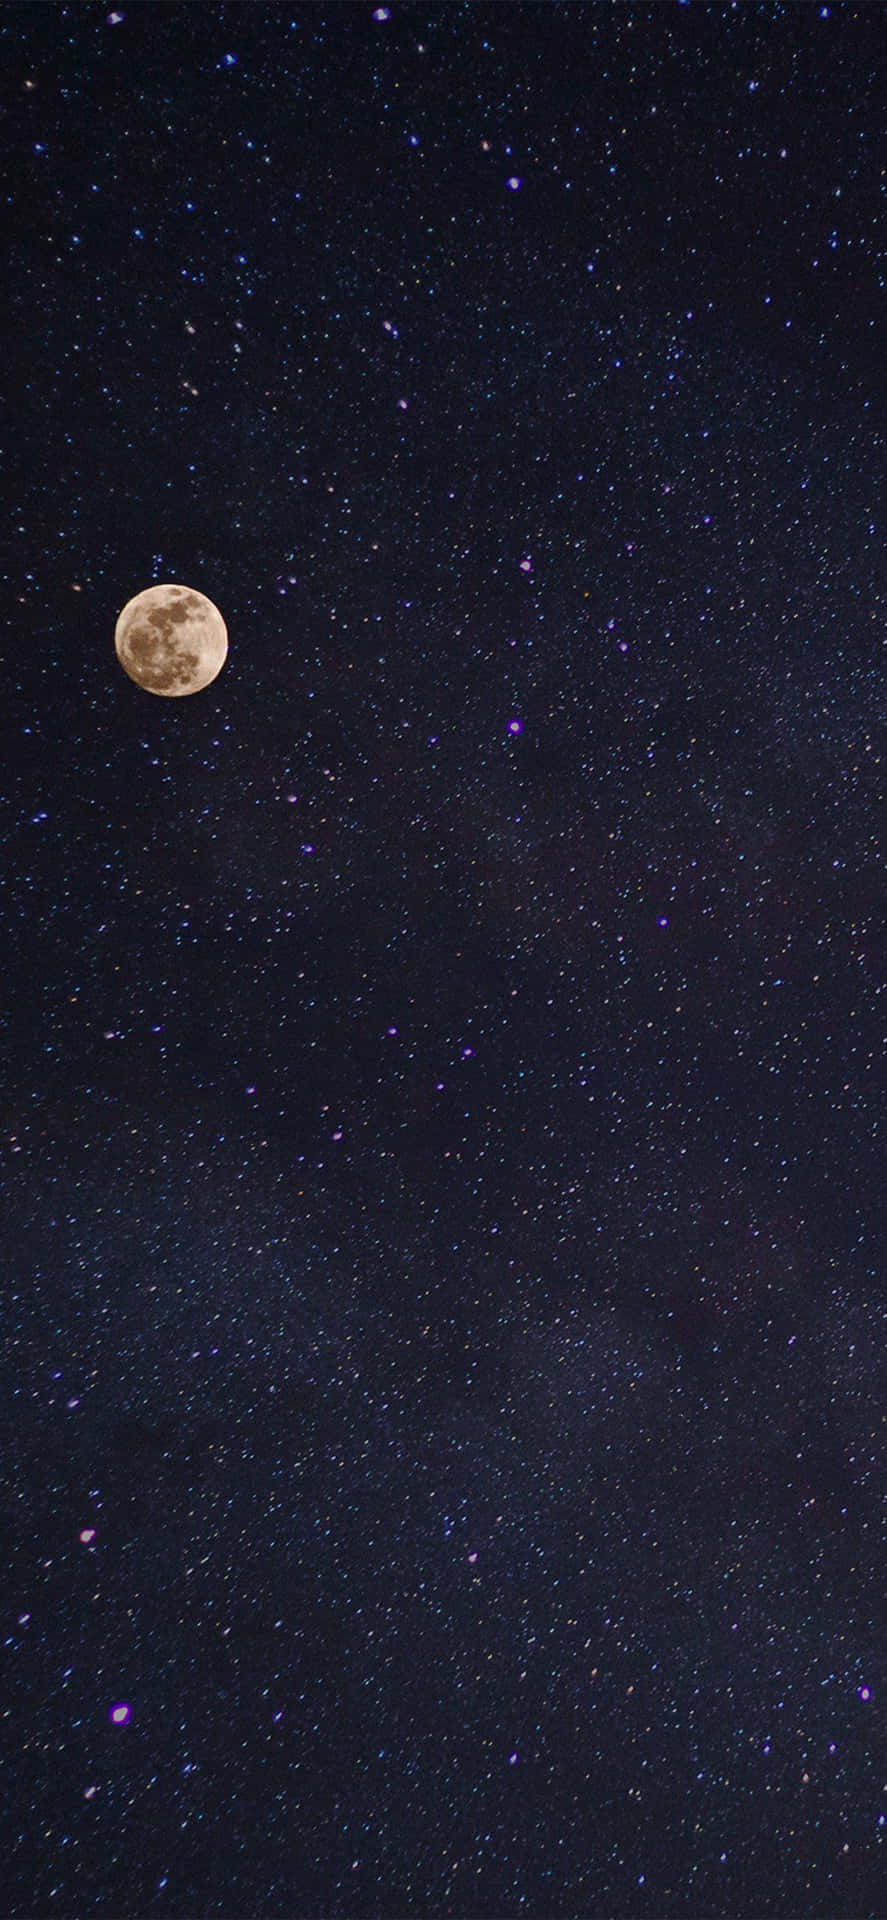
x: 171, y: 640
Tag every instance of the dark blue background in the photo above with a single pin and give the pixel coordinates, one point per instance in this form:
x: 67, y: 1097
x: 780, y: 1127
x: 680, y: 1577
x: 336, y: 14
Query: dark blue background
x: 443, y: 1060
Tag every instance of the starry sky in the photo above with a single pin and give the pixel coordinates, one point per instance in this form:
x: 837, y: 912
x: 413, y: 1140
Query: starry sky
x: 443, y: 1285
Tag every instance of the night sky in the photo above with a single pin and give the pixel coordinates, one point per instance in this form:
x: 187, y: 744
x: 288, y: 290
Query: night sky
x: 443, y: 1299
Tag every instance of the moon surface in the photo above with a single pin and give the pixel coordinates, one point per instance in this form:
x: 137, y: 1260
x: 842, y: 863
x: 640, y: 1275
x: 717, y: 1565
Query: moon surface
x: 171, y: 640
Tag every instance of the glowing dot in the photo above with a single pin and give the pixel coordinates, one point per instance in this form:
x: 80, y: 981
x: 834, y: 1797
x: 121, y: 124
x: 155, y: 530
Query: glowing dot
x: 87, y: 1535
x: 865, y: 1693
x: 120, y: 1715
x: 515, y: 726
x: 513, y: 183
